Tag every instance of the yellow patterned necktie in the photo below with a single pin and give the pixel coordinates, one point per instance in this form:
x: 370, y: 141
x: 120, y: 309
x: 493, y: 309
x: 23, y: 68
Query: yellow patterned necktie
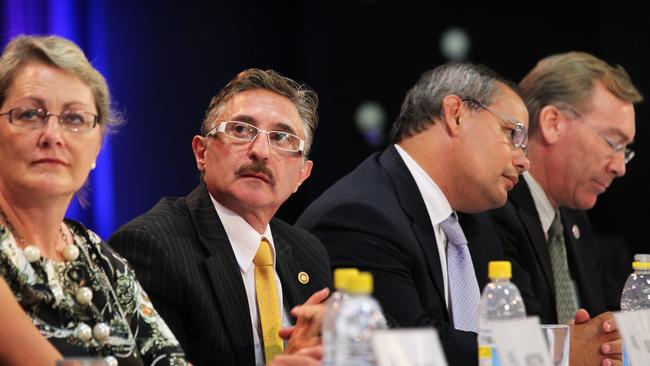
x: 268, y: 305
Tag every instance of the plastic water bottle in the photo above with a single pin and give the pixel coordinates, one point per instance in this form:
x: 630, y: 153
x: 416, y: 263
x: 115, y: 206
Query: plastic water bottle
x: 359, y: 317
x: 500, y: 300
x: 636, y: 292
x: 342, y: 279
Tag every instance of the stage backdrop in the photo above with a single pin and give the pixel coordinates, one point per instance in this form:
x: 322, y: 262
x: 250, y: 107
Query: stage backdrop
x: 164, y: 60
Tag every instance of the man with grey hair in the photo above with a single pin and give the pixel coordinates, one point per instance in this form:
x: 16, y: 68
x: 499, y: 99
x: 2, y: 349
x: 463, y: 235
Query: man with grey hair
x: 458, y: 146
x: 222, y: 271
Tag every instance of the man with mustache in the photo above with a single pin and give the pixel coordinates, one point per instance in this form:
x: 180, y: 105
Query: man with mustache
x: 457, y: 146
x: 581, y: 123
x: 223, y: 272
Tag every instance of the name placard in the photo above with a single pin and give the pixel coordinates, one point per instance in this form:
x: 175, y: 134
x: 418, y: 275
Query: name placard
x: 408, y: 347
x: 520, y: 342
x: 635, y: 329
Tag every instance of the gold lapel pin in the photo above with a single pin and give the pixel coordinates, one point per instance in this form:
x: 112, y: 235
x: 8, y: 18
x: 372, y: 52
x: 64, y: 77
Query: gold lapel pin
x: 303, y: 278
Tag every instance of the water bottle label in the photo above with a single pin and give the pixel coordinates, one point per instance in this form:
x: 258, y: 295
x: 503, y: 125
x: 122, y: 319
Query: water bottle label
x: 484, y: 352
x: 488, y: 356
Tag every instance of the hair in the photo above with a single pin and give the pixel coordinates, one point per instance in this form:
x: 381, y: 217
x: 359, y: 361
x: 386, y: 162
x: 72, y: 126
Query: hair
x: 65, y: 55
x: 570, y: 78
x: 304, y: 98
x: 423, y: 103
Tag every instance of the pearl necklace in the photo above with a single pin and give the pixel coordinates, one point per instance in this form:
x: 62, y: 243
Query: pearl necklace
x: 101, y: 331
x: 32, y: 252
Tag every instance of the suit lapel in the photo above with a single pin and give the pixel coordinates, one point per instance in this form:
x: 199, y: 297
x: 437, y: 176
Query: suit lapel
x: 412, y: 203
x: 578, y: 258
x: 224, y: 274
x: 523, y: 200
x: 287, y: 271
x: 479, y: 241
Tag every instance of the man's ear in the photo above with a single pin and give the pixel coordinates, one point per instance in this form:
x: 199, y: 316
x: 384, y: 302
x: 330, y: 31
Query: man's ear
x: 199, y: 147
x: 305, y: 172
x: 551, y: 124
x: 451, y: 114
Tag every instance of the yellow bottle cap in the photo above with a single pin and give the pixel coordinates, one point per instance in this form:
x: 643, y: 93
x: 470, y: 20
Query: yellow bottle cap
x: 362, y: 284
x: 641, y: 265
x: 499, y: 269
x: 343, y: 277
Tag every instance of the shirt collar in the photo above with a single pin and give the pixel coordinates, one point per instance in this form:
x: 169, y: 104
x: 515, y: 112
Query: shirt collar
x: 435, y: 201
x: 243, y: 238
x: 543, y: 205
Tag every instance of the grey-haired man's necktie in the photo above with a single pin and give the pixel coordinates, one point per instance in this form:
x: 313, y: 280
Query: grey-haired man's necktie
x: 565, y: 297
x: 463, y: 287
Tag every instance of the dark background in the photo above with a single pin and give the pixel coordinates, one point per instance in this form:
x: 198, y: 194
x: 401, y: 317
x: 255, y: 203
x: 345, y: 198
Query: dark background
x: 166, y: 59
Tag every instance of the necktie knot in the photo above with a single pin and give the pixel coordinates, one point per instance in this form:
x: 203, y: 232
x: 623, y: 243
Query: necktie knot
x: 263, y: 257
x: 453, y: 231
x: 556, y: 226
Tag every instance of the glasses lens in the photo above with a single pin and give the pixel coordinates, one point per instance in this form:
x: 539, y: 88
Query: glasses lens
x: 27, y: 117
x: 629, y: 154
x: 241, y: 130
x: 520, y: 136
x: 284, y: 140
x: 77, y: 121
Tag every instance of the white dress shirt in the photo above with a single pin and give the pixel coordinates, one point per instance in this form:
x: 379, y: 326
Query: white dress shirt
x: 437, y: 206
x: 245, y: 241
x: 545, y: 210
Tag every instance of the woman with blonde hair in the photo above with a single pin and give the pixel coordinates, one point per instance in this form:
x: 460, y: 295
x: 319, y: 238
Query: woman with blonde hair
x: 81, y: 296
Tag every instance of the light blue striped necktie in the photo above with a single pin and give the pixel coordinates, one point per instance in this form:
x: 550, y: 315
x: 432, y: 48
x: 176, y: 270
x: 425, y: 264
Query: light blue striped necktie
x: 463, y: 287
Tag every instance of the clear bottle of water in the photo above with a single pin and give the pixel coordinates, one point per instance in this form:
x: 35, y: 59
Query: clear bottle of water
x: 500, y: 300
x: 342, y: 279
x: 359, y: 317
x: 636, y: 292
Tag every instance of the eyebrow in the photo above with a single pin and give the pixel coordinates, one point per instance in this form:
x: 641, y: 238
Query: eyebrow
x: 613, y: 130
x: 38, y: 101
x: 278, y: 126
x: 41, y: 103
x: 610, y: 130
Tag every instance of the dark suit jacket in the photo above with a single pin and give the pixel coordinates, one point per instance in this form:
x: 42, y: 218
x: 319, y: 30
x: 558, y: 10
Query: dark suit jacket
x: 184, y: 260
x: 525, y: 245
x: 375, y: 219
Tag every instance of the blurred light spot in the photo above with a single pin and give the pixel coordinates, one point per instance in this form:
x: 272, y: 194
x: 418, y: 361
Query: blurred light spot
x: 370, y: 119
x: 455, y: 44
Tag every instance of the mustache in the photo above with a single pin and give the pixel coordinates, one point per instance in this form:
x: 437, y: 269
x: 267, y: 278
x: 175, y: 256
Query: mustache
x: 256, y: 167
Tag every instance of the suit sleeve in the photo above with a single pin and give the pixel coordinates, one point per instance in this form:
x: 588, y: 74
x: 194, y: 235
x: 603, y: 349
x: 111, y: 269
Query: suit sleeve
x: 611, y: 290
x: 359, y: 235
x: 155, y: 272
